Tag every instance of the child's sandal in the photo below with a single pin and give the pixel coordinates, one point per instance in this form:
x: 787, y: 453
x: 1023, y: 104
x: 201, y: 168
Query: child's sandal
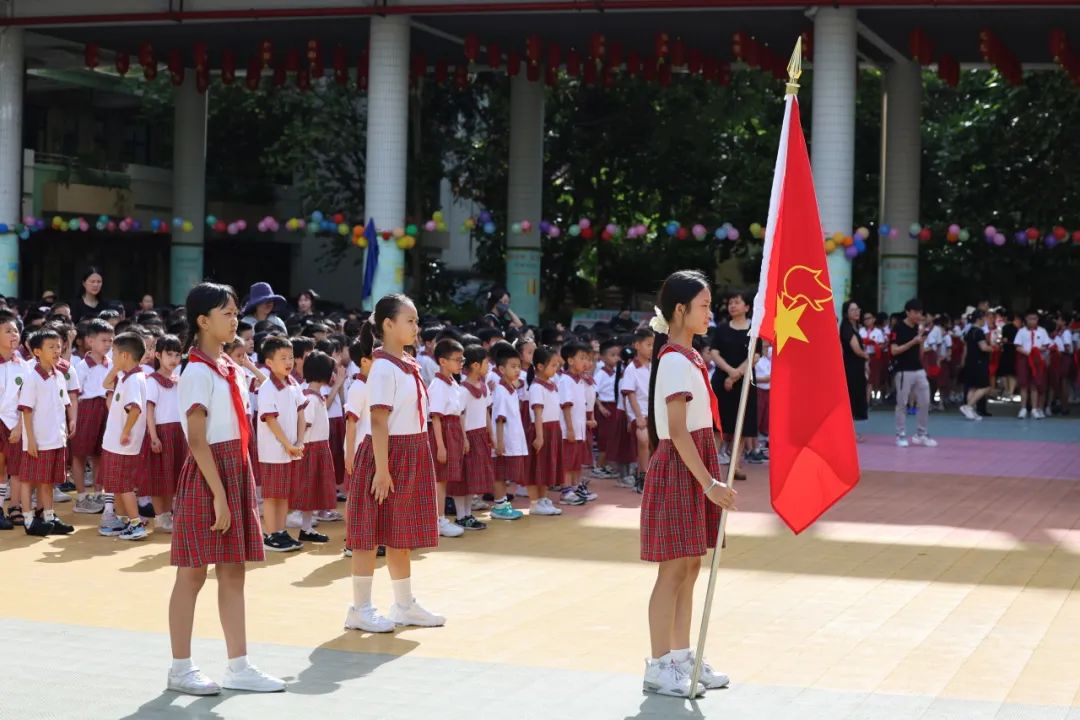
x: 15, y: 515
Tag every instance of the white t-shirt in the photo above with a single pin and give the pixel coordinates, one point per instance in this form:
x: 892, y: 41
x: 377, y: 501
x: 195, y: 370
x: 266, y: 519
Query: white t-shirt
x: 317, y: 417
x: 45, y: 394
x: 445, y: 397
x: 590, y: 395
x: 12, y: 376
x: 356, y: 407
x: 91, y: 377
x: 874, y: 336
x: 166, y: 400
x: 335, y: 410
x: 635, y: 380
x: 677, y: 375
x: 428, y: 367
x: 130, y: 395
x: 546, y: 395
x: 395, y: 384
x: 476, y: 408
x: 762, y: 369
x: 935, y: 340
x: 605, y: 384
x: 1064, y: 340
x: 492, y: 379
x: 506, y: 409
x: 1025, y: 337
x: 283, y: 400
x: 201, y: 386
x: 572, y: 394
x: 71, y: 377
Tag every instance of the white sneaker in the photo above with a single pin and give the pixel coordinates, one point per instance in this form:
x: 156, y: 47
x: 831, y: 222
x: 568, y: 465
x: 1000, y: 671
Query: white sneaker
x: 725, y: 457
x: 479, y: 503
x: 521, y: 491
x: 902, y: 441
x: 111, y: 525
x: 1036, y: 414
x: 415, y: 615
x: 164, y: 522
x: 924, y: 440
x: 252, y: 679
x: 89, y: 505
x: 627, y: 481
x: 193, y: 682
x: 449, y: 529
x: 544, y: 507
x: 368, y: 619
x: 328, y: 516
x: 664, y: 677
x: 711, y: 679
x: 59, y: 496
x: 1022, y: 414
x: 294, y: 520
x: 968, y: 412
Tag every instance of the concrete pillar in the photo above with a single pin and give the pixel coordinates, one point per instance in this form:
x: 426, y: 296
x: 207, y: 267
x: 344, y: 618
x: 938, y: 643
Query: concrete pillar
x: 832, y: 144
x: 387, y: 145
x: 188, y: 187
x: 898, y: 271
x: 524, y: 196
x: 11, y: 155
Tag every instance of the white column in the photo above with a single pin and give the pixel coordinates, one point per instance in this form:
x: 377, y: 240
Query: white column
x: 899, y: 259
x: 524, y: 195
x: 387, y: 145
x: 832, y: 144
x: 189, y: 187
x: 11, y: 155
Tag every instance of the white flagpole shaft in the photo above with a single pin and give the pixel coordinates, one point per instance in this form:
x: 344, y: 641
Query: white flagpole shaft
x: 735, y: 450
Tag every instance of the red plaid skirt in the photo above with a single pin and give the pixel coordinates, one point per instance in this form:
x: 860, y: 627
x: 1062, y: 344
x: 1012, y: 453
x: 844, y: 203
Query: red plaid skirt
x: 407, y: 518
x: 48, y: 468
x: 573, y: 453
x: 454, y: 439
x: 279, y: 479
x: 337, y: 452
x: 479, y: 466
x: 122, y: 473
x: 164, y: 467
x: 513, y: 468
x: 677, y: 520
x: 253, y: 451
x: 314, y: 487
x: 194, y: 544
x: 547, y: 464
x: 90, y: 428
x: 12, y: 452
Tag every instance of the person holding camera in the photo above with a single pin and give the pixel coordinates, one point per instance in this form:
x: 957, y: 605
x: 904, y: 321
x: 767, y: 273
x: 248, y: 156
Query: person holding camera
x: 910, y: 378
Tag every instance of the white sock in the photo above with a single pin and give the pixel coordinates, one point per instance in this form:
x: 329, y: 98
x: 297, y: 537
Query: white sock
x: 109, y: 499
x: 463, y: 506
x: 306, y: 519
x: 361, y: 590
x: 5, y: 492
x: 145, y: 500
x: 681, y: 655
x: 29, y: 519
x: 402, y: 591
x: 237, y: 664
x: 50, y: 515
x: 182, y: 665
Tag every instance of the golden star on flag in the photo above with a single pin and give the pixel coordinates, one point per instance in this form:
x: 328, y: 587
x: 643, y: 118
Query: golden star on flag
x: 786, y: 323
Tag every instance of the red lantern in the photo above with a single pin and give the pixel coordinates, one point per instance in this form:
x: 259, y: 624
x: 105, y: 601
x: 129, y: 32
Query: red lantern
x: 292, y: 61
x: 176, y: 67
x: 472, y: 47
x: 664, y: 74
x: 494, y: 56
x: 362, y: 71
x: 513, y: 63
x: 633, y: 63
x: 202, y: 80
x: 710, y: 68
x: 279, y: 76
x: 678, y: 53
x: 660, y: 46
x: 341, y: 66
x: 596, y: 46
x: 695, y: 61
x: 615, y: 55
x: 461, y: 75
x: 949, y: 70
x: 649, y: 68
x: 1059, y: 44
x: 533, y: 46
x: 254, y: 73
x: 146, y: 54
x: 551, y: 76
x: 266, y: 53
x: 303, y: 79
x: 921, y: 47
x: 228, y: 67
x: 123, y: 63
x: 590, y: 73
x: 532, y: 72
x: 1033, y: 234
x: 149, y: 71
x: 442, y: 72
x: 199, y: 53
x: 573, y: 63
x: 315, y: 60
x: 554, y: 56
x: 90, y: 55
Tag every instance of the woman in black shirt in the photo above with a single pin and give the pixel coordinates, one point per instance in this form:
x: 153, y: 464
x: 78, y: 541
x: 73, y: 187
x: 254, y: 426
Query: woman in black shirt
x: 88, y: 304
x: 729, y: 352
x: 976, y: 373
x: 855, y: 359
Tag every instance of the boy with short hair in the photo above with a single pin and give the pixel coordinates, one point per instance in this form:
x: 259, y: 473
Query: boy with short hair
x: 12, y: 370
x: 86, y: 443
x: 511, y: 444
x: 301, y: 346
x: 280, y: 429
x: 1033, y: 351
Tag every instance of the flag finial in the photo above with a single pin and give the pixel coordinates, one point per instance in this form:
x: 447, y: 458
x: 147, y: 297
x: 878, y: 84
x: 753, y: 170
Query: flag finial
x: 794, y: 69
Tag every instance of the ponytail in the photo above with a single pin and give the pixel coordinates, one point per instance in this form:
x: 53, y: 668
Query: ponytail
x: 659, y: 341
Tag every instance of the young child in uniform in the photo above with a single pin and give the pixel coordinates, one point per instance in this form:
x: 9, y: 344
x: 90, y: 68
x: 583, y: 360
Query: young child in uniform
x: 86, y: 443
x: 635, y: 386
x: 610, y: 420
x: 12, y: 371
x: 572, y: 399
x: 71, y: 378
x: 511, y: 445
x: 680, y: 506
x: 357, y: 415
x: 334, y: 395
x: 446, y: 401
x: 122, y: 463
x: 43, y: 402
x: 392, y: 486
x: 479, y: 472
x: 314, y: 488
x: 215, y: 516
x: 547, y: 421
x: 301, y: 346
x: 281, y: 427
x: 526, y: 347
x: 168, y: 448
x: 1033, y: 350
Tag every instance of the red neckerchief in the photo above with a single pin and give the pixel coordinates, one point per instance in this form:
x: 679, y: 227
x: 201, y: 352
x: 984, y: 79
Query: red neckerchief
x: 226, y: 368
x: 1035, y: 359
x: 588, y: 379
x: 165, y: 382
x: 638, y: 363
x: 408, y: 365
x: 448, y: 380
x: 474, y: 391
x: 545, y: 384
x: 695, y: 357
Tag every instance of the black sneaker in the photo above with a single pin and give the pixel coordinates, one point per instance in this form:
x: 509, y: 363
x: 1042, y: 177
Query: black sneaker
x: 639, y: 484
x: 315, y: 537
x: 67, y: 486
x: 450, y: 507
x: 5, y: 522
x: 147, y: 511
x: 489, y: 497
x: 470, y: 523
x: 280, y: 542
x: 342, y: 497
x: 59, y: 527
x: 38, y: 526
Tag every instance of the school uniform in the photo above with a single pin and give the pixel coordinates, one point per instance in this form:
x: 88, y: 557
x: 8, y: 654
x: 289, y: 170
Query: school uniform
x: 253, y: 418
x: 407, y: 518
x: 284, y: 400
x: 315, y: 485
x: 763, y: 369
x: 122, y: 465
x: 1061, y: 355
x: 492, y: 379
x: 44, y: 393
x: 217, y: 387
x: 446, y: 401
x: 479, y: 466
x: 163, y: 393
x: 429, y: 367
x: 572, y: 395
x: 71, y: 378
x: 877, y: 349
x: 589, y: 385
x: 547, y: 464
x: 93, y: 410
x: 677, y: 520
x: 1033, y: 352
x: 356, y: 408
x: 12, y: 377
x: 513, y: 464
x: 635, y: 380
x: 336, y: 419
x: 607, y: 426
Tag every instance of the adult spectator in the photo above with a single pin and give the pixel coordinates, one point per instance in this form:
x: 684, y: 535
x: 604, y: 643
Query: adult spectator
x: 855, y: 360
x: 498, y: 310
x: 976, y: 373
x: 911, y: 381
x: 88, y: 304
x: 263, y: 305
x: 305, y: 304
x: 147, y: 303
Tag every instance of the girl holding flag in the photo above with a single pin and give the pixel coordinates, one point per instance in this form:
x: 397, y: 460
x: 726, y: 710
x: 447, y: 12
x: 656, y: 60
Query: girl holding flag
x: 680, y: 509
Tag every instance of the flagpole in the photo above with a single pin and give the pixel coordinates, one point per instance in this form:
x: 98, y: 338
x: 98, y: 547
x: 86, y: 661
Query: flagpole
x: 794, y: 72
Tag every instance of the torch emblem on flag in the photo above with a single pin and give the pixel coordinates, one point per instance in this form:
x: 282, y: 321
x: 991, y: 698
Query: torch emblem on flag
x: 802, y: 289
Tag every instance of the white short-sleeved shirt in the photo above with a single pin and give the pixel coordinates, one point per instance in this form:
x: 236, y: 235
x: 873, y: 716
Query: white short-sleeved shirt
x: 71, y: 378
x: 572, y: 395
x: 874, y: 339
x: 356, y: 407
x: 395, y: 384
x: 1025, y: 338
x: 337, y: 408
x: 429, y: 366
x: 678, y: 375
x: 506, y: 409
x: 763, y: 369
x: 12, y: 375
x: 590, y: 394
x: 164, y: 394
x: 635, y: 380
x: 148, y: 370
x: 130, y: 395
x: 476, y: 406
x: 545, y: 394
x: 282, y: 399
x: 317, y: 418
x: 350, y: 374
x: 605, y: 384
x: 445, y: 397
x: 202, y: 386
x: 492, y: 379
x: 45, y: 393
x: 92, y: 377
x: 1064, y: 340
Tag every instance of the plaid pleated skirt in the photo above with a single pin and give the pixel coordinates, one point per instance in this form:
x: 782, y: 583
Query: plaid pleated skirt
x: 164, y: 467
x: 407, y: 519
x: 547, y: 464
x: 90, y: 429
x: 479, y: 473
x: 122, y: 473
x: 574, y: 452
x: 253, y: 451
x: 513, y: 468
x: 607, y: 440
x: 12, y: 451
x: 677, y: 520
x: 48, y: 468
x: 278, y: 479
x: 194, y: 544
x: 454, y: 439
x: 337, y: 450
x: 314, y: 486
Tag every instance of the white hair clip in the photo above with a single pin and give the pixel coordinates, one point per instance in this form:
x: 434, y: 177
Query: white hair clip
x: 658, y: 323
x: 371, y: 318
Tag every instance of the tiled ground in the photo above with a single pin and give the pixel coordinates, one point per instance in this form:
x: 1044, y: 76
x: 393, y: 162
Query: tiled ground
x: 944, y: 586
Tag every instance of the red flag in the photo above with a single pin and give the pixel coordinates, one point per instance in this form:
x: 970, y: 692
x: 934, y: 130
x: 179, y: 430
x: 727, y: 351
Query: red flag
x: 812, y: 457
